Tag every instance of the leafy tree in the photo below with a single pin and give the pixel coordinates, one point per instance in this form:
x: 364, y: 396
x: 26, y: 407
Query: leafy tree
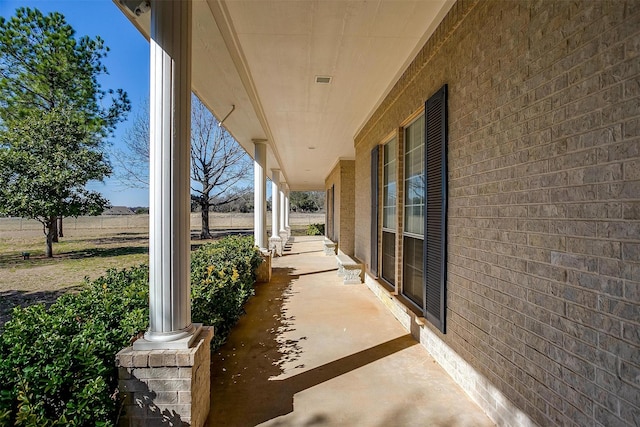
x: 306, y: 201
x: 243, y: 204
x: 218, y: 163
x: 54, y: 118
x: 44, y: 165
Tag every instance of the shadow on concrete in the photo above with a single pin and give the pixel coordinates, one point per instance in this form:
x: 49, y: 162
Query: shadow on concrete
x: 244, y: 388
x: 302, y: 252
x: 404, y: 416
x: 297, y: 276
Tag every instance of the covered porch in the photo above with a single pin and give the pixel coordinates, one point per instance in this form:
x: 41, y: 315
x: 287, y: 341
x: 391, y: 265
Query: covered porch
x: 480, y: 164
x: 288, y: 81
x: 314, y: 351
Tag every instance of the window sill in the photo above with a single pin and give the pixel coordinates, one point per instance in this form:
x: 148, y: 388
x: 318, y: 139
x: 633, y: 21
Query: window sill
x: 403, y: 303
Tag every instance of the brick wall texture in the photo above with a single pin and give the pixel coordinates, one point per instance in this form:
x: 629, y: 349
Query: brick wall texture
x: 543, y: 291
x: 333, y: 179
x: 343, y: 177
x: 166, y: 387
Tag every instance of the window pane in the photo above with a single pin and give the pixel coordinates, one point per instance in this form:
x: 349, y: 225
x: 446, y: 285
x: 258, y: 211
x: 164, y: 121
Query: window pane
x: 390, y: 151
x: 412, y: 270
x: 414, y: 187
x: 389, y: 186
x: 389, y: 195
x: 413, y: 134
x: 414, y: 195
x: 389, y: 217
x: 389, y: 256
x: 414, y: 219
x: 414, y: 162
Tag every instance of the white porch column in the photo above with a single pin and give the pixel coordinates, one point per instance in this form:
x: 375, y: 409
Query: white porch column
x: 170, y: 122
x: 275, y: 203
x: 260, y: 194
x: 283, y: 207
x: 287, y: 210
x: 275, y: 241
x: 172, y: 343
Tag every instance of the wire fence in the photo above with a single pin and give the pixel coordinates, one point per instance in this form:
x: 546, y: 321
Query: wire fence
x: 216, y: 221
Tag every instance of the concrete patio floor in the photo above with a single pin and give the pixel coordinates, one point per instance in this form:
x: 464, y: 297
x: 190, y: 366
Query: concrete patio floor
x: 312, y: 351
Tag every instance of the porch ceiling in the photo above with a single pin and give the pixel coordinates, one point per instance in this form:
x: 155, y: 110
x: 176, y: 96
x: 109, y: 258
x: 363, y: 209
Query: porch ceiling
x: 263, y: 57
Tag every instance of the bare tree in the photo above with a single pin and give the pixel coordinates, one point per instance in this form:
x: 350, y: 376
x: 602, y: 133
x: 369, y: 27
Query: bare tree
x: 219, y: 164
x: 134, y: 163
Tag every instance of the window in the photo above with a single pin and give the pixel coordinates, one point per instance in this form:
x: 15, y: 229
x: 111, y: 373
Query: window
x: 425, y: 210
x: 413, y: 236
x: 389, y: 193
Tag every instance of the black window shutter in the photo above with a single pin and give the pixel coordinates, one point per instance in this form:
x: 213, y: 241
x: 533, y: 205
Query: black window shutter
x: 435, y: 217
x: 375, y: 154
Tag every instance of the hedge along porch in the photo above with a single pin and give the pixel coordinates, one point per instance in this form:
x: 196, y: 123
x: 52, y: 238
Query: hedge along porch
x: 533, y: 253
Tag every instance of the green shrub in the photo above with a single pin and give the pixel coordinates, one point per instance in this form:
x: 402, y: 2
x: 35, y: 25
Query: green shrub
x: 222, y: 279
x: 57, y: 365
x: 315, y: 230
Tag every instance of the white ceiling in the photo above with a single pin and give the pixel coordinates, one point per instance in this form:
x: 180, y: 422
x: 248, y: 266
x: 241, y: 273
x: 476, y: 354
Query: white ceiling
x: 263, y: 56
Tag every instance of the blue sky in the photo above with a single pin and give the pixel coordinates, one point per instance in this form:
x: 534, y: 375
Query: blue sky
x: 127, y: 64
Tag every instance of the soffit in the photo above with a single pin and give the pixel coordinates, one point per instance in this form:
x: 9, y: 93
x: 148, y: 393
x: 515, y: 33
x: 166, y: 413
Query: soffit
x: 262, y: 56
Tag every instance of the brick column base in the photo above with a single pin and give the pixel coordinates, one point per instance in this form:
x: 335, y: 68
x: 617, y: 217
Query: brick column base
x: 166, y: 387
x: 263, y: 272
x: 275, y: 245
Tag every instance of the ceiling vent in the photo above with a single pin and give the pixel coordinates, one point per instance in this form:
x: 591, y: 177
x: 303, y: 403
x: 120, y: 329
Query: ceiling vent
x: 325, y: 80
